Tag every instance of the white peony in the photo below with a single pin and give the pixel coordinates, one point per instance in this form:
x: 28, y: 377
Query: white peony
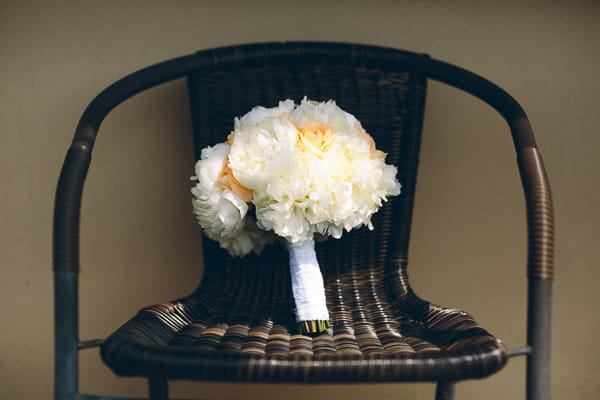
x: 314, y: 171
x: 259, y: 153
x: 307, y: 169
x: 327, y: 112
x: 259, y: 113
x: 219, y: 211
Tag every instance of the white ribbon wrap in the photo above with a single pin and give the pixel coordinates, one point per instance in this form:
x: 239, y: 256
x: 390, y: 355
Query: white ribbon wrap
x: 307, y: 282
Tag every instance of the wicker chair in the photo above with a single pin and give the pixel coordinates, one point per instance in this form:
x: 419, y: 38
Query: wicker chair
x: 239, y: 324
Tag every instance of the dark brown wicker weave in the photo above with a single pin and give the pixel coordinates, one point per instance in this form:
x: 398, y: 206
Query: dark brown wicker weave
x: 239, y: 324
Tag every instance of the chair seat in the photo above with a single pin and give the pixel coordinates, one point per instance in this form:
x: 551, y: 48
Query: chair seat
x: 244, y: 330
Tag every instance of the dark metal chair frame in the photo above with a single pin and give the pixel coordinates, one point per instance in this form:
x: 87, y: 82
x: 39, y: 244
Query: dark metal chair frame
x: 74, y: 171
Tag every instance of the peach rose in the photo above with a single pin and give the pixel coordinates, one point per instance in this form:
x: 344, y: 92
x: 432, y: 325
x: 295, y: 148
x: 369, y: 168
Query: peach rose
x: 228, y: 181
x: 315, y: 136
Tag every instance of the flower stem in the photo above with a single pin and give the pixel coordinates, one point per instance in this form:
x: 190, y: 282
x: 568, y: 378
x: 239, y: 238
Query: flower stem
x: 313, y: 327
x: 308, y: 289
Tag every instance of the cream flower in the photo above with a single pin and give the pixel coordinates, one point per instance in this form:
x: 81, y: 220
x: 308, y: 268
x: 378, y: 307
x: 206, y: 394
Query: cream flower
x: 259, y: 114
x: 327, y: 195
x: 259, y: 153
x: 308, y: 169
x: 334, y: 182
x: 220, y: 212
x: 327, y: 112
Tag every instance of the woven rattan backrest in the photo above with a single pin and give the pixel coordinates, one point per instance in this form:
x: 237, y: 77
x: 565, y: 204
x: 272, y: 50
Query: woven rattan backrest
x: 388, y: 104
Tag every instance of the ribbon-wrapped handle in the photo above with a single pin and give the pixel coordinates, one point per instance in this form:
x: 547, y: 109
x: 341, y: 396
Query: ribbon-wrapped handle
x: 308, y: 288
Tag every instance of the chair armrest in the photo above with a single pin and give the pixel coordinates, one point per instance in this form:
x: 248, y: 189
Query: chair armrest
x: 540, y: 216
x: 540, y: 219
x: 67, y: 206
x: 74, y: 171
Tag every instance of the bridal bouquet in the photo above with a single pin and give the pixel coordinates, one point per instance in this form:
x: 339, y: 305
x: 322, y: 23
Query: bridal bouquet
x: 303, y: 169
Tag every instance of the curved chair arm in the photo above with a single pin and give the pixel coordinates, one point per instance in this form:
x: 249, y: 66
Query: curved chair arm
x: 67, y: 209
x: 540, y: 216
x: 535, y: 182
x: 74, y: 171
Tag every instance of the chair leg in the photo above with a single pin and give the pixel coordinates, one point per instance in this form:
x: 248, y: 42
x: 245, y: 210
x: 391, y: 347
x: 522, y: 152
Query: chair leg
x: 444, y: 391
x: 539, y: 328
x: 158, y: 388
x: 66, y: 335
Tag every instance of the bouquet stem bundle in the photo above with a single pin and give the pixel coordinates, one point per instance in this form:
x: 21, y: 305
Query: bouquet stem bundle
x: 308, y: 289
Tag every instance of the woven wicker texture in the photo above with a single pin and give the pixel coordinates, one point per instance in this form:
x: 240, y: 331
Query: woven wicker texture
x: 239, y: 324
x: 540, y: 215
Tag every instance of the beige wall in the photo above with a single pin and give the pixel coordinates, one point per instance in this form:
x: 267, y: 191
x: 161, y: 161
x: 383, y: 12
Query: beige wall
x: 139, y: 240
